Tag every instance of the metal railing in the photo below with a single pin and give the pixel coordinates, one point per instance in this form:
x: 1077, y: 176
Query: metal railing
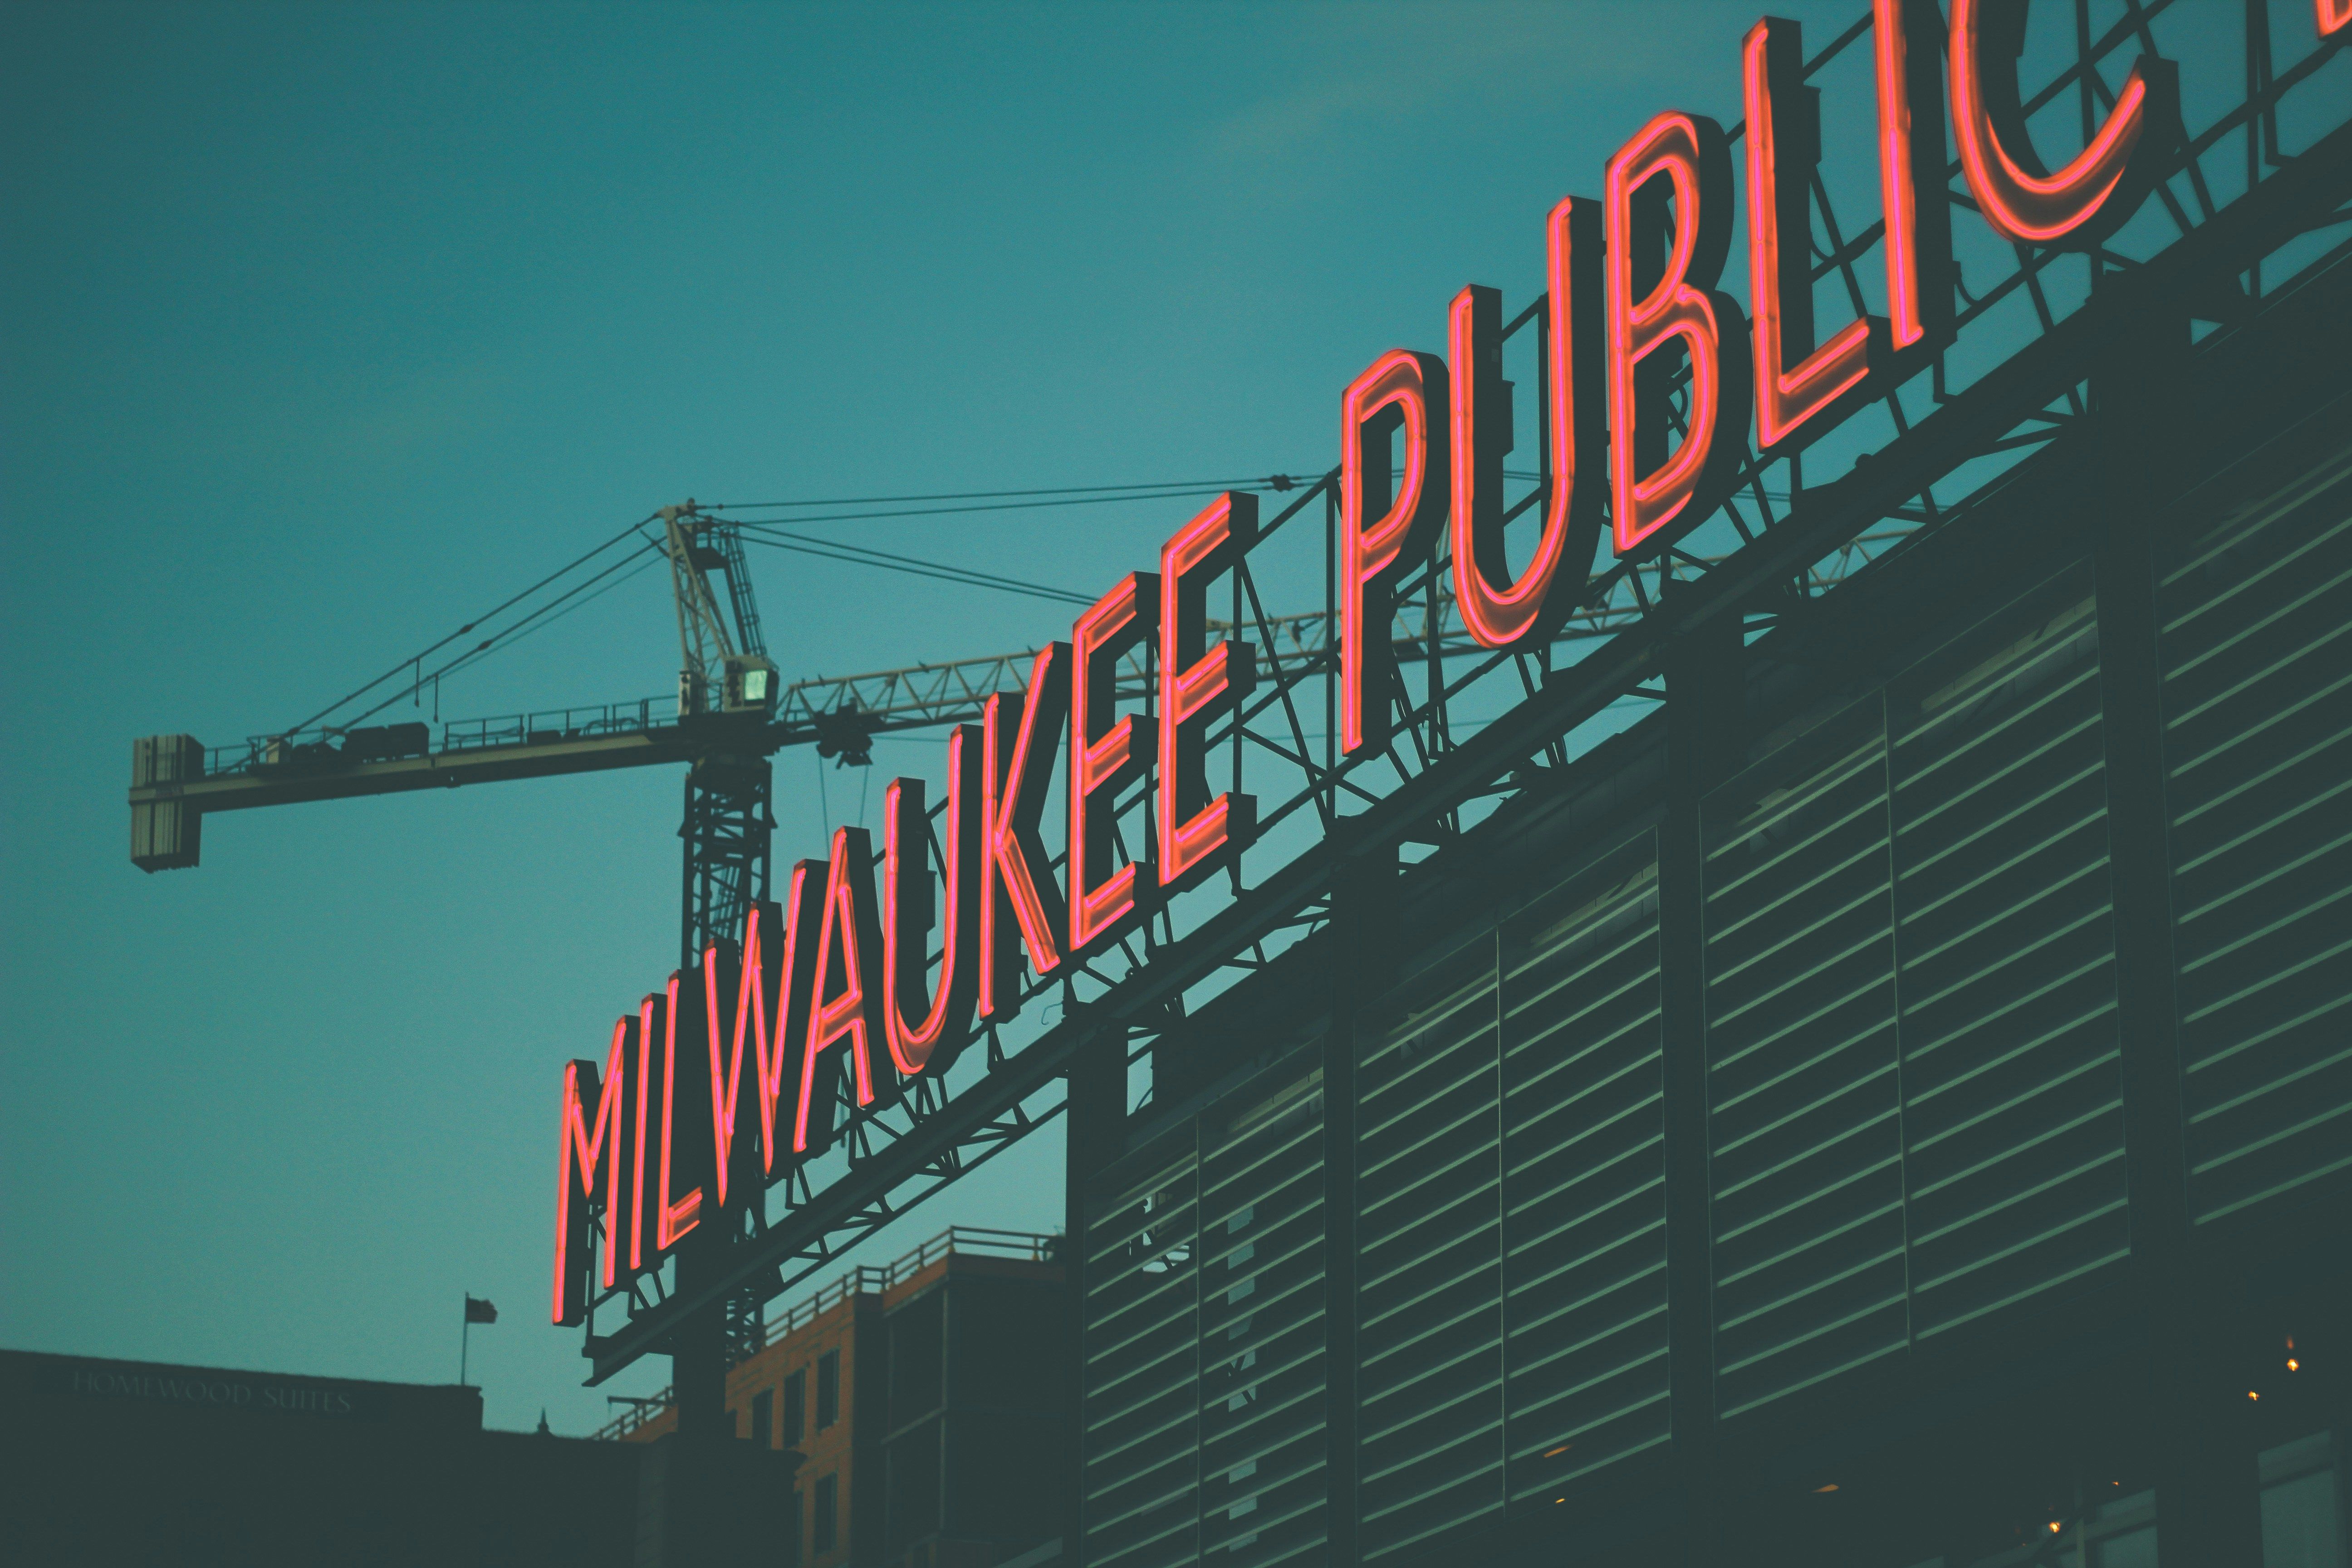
x: 317, y: 748
x: 559, y: 724
x: 985, y: 1241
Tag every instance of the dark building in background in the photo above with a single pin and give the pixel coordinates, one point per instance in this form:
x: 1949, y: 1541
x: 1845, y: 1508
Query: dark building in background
x: 108, y: 1462
x: 1890, y: 1107
x: 927, y: 1399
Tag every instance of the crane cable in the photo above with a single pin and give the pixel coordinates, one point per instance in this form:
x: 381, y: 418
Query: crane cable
x: 533, y: 624
x: 1272, y: 481
x: 510, y: 635
x: 770, y: 534
x: 1020, y: 505
x: 857, y: 555
x: 417, y: 658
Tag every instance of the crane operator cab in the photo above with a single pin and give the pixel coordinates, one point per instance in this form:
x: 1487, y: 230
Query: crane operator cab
x: 749, y: 686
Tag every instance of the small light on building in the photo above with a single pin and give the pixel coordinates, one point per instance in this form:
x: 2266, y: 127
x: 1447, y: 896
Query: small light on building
x: 2293, y: 1364
x: 1830, y: 1487
x: 2054, y: 1527
x: 1556, y: 1453
x: 2252, y: 1394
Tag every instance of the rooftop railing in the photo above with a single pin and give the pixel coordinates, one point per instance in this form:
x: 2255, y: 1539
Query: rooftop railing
x: 865, y: 1279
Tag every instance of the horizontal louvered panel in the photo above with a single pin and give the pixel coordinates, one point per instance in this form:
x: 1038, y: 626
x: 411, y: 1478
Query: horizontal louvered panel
x: 1803, y: 1092
x: 1142, y: 1468
x: 1429, y: 1303
x: 2257, y: 647
x: 1140, y: 1306
x: 2013, y: 1068
x: 1263, y: 1424
x: 1584, y: 1175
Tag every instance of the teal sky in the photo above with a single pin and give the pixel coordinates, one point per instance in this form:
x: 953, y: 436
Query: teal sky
x: 323, y: 327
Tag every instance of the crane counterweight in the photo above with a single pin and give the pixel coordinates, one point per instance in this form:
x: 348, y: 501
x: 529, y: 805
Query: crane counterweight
x: 165, y: 829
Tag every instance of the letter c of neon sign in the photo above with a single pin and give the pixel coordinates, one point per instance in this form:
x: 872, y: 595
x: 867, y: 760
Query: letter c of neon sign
x: 2023, y: 202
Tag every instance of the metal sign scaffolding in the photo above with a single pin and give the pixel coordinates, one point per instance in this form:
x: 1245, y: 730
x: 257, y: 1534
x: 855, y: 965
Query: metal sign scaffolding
x: 2255, y: 190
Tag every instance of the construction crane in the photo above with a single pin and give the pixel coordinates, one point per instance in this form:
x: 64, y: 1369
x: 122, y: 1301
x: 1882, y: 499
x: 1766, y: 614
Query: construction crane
x: 719, y: 725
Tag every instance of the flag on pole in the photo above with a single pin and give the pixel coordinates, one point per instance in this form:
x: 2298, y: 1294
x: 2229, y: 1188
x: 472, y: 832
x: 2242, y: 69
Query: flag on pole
x: 475, y: 1312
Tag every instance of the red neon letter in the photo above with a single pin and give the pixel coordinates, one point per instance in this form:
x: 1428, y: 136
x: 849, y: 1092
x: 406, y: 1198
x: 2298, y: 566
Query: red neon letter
x: 1907, y: 35
x: 800, y: 919
x: 854, y: 1013
x: 685, y: 1149
x: 734, y: 1117
x: 925, y: 1037
x: 1783, y: 145
x: 1499, y: 612
x: 2082, y: 201
x: 2335, y: 16
x: 1195, y: 686
x: 1015, y: 888
x: 729, y: 1107
x: 1401, y: 391
x: 579, y: 1153
x: 653, y: 1017
x: 1656, y: 496
x: 1105, y: 755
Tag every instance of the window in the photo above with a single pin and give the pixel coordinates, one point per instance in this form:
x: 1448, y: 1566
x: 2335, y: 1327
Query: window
x: 2133, y: 1549
x: 793, y: 1533
x: 828, y: 1488
x: 828, y: 1389
x: 2299, y: 1525
x: 763, y: 1418
x: 795, y: 1408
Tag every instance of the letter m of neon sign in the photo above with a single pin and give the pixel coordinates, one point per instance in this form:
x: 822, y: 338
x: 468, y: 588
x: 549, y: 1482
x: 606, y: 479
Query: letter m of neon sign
x: 585, y: 1142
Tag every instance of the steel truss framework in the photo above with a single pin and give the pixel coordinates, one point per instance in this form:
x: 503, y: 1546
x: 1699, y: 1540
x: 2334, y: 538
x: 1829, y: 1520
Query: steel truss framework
x: 2239, y: 197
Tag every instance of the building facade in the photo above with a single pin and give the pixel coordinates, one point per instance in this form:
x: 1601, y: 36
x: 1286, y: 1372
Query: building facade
x: 1892, y: 1106
x: 106, y: 1462
x: 925, y: 1404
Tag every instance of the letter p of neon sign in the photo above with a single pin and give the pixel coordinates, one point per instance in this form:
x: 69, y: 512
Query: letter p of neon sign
x: 1403, y: 394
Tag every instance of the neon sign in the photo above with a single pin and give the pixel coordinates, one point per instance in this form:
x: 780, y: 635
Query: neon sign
x: 929, y: 1043
x: 1650, y: 379
x: 2083, y: 201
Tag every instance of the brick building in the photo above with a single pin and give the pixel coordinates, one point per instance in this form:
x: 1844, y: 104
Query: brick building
x: 927, y: 1399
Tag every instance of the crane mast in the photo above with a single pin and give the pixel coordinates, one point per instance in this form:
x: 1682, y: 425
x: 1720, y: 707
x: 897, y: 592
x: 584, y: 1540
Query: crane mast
x: 724, y: 674
x: 704, y: 645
